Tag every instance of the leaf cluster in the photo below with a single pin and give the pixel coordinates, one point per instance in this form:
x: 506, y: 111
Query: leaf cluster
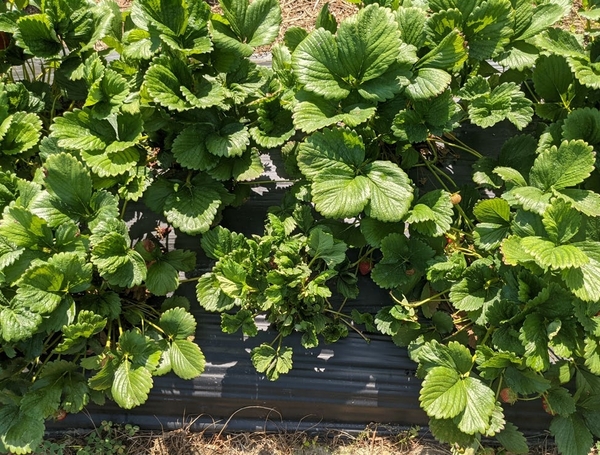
x: 494, y: 289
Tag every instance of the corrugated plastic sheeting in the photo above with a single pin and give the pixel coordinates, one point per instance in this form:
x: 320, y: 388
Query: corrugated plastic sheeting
x: 344, y: 386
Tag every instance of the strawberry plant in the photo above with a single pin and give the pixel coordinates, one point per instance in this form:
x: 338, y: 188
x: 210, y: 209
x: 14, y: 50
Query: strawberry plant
x: 494, y: 292
x: 76, y: 319
x: 287, y: 275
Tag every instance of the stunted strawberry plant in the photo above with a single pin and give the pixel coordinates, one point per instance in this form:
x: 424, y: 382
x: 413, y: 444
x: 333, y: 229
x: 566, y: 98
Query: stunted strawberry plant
x: 494, y: 292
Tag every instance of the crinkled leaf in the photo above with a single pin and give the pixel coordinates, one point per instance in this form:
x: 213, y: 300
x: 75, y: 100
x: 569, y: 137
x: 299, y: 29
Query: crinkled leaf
x: 23, y: 133
x: 193, y: 207
x: 400, y: 254
x: 477, y: 288
x: 432, y: 214
x: 116, y: 262
x: 37, y: 35
x: 322, y: 245
x: 271, y: 362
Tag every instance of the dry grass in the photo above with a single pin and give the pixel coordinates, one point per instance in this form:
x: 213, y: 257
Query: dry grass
x: 373, y: 440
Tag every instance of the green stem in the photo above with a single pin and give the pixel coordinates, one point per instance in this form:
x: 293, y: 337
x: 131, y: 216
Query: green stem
x: 124, y: 209
x: 189, y: 280
x: 420, y: 302
x: 460, y: 145
x: 344, y: 319
x: 120, y: 327
x: 152, y: 324
x: 342, y: 305
x: 433, y: 170
x: 263, y: 182
x: 362, y: 258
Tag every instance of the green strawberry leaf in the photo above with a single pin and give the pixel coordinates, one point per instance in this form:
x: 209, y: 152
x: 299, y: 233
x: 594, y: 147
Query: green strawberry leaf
x: 324, y: 246
x: 186, y: 359
x: 478, y: 288
x: 177, y: 323
x: 564, y: 166
x: 22, y: 133
x: 243, y: 319
x: 117, y: 262
x: 69, y: 182
x: 37, y: 36
x: 256, y: 23
x: 331, y: 66
x: 571, y: 434
x: 400, y: 255
x: 131, y: 385
x: 561, y: 222
x: 534, y: 337
x: 192, y: 207
x: 210, y: 296
x: 432, y: 214
x: 443, y: 394
x: 270, y: 361
x: 552, y: 78
x: 79, y: 130
x: 18, y: 323
x: 512, y: 439
x: 20, y: 431
x: 584, y: 281
x: 219, y: 242
x: 313, y: 113
x: 494, y: 215
x: 344, y: 186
